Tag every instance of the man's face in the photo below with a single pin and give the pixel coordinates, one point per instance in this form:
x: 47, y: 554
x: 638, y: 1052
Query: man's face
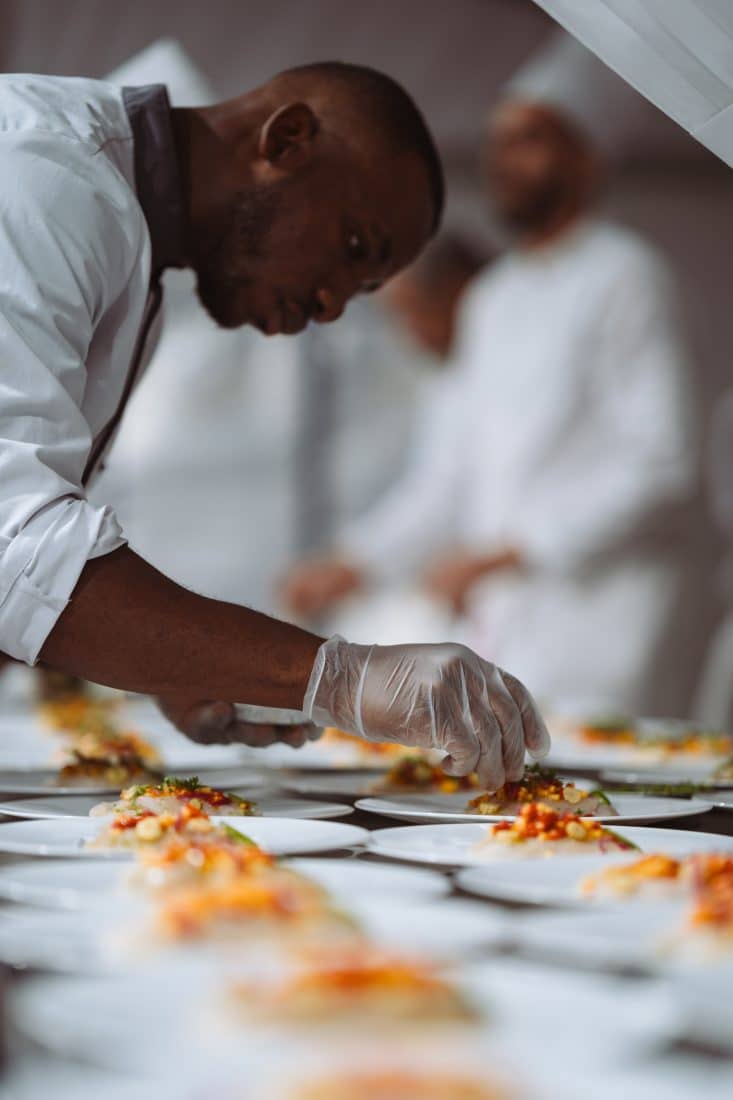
x: 532, y: 164
x: 298, y: 248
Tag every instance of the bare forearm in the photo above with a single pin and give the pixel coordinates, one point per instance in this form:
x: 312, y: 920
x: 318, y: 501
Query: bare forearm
x: 130, y: 627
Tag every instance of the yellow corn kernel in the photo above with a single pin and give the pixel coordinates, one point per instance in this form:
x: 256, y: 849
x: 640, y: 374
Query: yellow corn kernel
x: 148, y: 829
x: 576, y: 831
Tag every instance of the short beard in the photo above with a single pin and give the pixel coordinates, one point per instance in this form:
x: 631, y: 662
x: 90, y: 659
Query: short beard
x: 537, y: 212
x: 223, y: 273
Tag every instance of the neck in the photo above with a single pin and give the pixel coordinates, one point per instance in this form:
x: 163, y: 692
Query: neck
x: 559, y: 222
x: 202, y: 158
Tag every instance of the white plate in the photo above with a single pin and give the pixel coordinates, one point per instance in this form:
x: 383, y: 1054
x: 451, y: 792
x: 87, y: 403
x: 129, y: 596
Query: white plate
x: 657, y: 775
x: 453, y: 845
x: 111, y: 1024
x: 334, y: 784
x: 78, y: 806
x: 42, y: 781
x: 719, y: 800
x: 450, y: 807
x: 79, y: 942
x: 87, y: 884
x: 619, y: 761
x: 537, y: 881
x: 281, y: 836
x: 638, y: 935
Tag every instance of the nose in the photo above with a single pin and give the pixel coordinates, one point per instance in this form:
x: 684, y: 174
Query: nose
x: 328, y: 307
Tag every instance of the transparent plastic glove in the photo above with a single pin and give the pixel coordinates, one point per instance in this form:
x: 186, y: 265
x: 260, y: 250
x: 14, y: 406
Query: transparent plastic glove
x: 433, y: 696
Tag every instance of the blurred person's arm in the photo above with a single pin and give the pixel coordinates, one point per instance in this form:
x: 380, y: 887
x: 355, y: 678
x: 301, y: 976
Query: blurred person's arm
x: 408, y: 526
x: 631, y: 470
x: 452, y: 576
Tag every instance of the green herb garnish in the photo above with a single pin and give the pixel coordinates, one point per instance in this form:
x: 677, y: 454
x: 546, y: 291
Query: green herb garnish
x: 234, y: 834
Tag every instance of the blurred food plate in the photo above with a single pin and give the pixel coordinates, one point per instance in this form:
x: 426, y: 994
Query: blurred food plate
x: 437, y: 808
x: 69, y: 837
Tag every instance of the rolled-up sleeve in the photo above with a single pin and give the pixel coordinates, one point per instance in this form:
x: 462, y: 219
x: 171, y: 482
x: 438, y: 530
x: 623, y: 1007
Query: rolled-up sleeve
x: 56, y: 233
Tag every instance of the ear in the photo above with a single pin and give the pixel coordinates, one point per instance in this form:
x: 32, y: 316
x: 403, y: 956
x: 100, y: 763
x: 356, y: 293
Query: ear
x: 287, y: 136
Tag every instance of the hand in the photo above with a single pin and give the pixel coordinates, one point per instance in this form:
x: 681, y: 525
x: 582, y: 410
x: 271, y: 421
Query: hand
x: 452, y: 577
x: 441, y: 697
x: 313, y: 586
x: 216, y: 723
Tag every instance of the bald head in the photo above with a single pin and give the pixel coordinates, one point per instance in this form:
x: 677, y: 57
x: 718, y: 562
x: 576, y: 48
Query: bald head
x: 320, y: 184
x: 543, y: 169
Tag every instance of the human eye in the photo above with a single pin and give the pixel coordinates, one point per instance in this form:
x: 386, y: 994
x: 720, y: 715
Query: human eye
x: 356, y: 247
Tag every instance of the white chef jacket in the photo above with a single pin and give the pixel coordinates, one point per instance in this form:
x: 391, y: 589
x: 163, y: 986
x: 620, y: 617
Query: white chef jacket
x: 76, y: 256
x: 571, y: 436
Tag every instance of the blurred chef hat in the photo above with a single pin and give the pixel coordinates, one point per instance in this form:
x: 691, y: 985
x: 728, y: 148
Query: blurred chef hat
x: 677, y: 53
x: 166, y: 62
x: 566, y: 76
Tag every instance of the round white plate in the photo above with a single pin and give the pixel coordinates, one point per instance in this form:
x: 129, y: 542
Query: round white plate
x: 280, y: 836
x: 618, y: 761
x: 719, y: 800
x: 640, y: 935
x: 335, y: 784
x: 536, y: 881
x: 111, y: 1024
x: 454, y: 845
x: 42, y: 781
x: 655, y: 776
x: 320, y: 756
x: 78, y: 806
x: 79, y: 943
x: 450, y: 807
x: 85, y: 884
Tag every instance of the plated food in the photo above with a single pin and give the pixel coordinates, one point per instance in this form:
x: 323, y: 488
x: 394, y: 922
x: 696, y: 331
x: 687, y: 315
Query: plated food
x: 144, y: 828
x: 105, y: 756
x: 414, y: 771
x: 77, y: 713
x: 354, y: 987
x: 221, y: 910
x: 396, y: 1085
x: 538, y: 832
x: 184, y: 859
x: 368, y: 749
x: 172, y: 794
x: 653, y: 740
x: 651, y: 874
x: 710, y: 920
x: 546, y: 789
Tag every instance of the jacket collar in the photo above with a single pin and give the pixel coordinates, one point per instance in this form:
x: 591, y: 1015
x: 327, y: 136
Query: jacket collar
x: 158, y: 179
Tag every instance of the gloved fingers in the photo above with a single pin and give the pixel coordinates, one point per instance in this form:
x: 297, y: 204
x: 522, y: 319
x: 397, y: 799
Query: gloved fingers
x: 512, y: 731
x: 457, y: 735
x: 490, y: 766
x: 536, y: 735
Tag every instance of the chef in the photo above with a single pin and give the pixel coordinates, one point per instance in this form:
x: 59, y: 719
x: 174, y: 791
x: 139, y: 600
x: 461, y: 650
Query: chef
x: 286, y: 202
x: 569, y: 465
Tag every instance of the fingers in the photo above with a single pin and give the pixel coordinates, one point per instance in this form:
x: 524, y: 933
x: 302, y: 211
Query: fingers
x: 206, y: 723
x: 536, y: 735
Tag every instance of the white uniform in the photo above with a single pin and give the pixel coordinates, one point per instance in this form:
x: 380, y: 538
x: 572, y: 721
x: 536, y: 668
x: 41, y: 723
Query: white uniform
x: 76, y: 257
x: 571, y: 436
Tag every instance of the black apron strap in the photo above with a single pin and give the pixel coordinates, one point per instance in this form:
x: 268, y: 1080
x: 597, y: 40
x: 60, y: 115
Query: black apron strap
x: 104, y: 439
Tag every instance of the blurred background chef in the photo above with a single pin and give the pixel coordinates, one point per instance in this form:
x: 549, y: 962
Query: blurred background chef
x: 566, y: 475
